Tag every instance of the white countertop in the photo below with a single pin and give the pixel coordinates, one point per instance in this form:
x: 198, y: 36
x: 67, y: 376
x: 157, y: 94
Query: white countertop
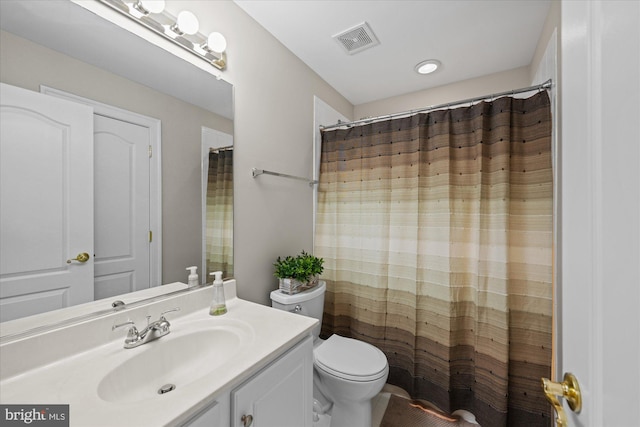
x: 73, y: 379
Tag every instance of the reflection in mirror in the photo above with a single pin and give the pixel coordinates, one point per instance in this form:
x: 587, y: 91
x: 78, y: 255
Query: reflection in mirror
x: 61, y: 48
x: 219, y: 205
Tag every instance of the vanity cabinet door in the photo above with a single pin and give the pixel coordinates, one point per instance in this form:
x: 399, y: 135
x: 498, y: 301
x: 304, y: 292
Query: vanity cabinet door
x: 281, y: 395
x: 216, y: 414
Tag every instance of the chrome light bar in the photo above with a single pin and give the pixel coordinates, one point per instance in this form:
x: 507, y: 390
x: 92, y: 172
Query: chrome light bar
x: 166, y: 25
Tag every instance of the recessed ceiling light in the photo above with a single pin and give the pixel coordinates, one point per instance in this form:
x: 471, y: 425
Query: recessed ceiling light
x: 427, y: 67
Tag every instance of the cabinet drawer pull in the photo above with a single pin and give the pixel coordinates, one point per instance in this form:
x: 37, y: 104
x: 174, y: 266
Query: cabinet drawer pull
x: 247, y: 420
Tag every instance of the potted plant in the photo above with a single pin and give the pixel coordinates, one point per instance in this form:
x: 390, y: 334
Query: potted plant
x: 298, y: 273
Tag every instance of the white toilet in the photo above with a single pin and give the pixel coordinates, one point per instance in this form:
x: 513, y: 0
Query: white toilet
x: 347, y: 372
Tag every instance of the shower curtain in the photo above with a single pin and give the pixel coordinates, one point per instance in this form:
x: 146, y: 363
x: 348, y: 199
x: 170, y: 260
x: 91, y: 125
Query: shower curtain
x: 436, y: 231
x: 219, y: 229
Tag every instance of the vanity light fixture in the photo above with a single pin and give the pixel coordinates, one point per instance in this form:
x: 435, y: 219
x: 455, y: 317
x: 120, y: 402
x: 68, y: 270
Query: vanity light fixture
x: 181, y: 30
x: 427, y: 67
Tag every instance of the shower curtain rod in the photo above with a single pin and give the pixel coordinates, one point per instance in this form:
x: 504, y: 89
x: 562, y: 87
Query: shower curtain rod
x: 545, y: 85
x: 211, y: 149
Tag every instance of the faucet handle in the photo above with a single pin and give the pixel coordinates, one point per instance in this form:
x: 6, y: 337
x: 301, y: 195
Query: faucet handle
x: 169, y: 311
x: 128, y: 322
x: 163, y: 324
x: 133, y: 331
x: 133, y: 335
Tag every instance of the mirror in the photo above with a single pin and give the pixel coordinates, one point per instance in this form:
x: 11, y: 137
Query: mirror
x: 62, y: 45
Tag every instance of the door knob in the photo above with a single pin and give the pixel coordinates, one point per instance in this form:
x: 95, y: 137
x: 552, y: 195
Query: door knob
x: 247, y: 420
x: 82, y: 257
x: 570, y: 390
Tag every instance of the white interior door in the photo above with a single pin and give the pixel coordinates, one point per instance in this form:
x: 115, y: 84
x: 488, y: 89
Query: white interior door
x: 122, y: 230
x: 599, y: 323
x: 128, y: 198
x: 46, y: 209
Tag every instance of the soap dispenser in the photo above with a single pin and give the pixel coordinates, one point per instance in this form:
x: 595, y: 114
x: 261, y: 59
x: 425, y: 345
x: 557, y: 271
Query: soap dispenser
x: 193, y: 276
x: 218, y: 305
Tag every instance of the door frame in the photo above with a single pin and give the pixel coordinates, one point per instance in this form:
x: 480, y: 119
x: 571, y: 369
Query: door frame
x: 155, y: 169
x: 323, y: 115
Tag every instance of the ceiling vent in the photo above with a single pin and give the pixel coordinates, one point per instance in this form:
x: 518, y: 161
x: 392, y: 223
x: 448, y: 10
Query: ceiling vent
x: 356, y: 39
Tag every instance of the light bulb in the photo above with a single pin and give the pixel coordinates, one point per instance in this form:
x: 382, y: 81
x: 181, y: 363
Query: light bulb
x: 216, y: 42
x: 149, y: 6
x: 187, y: 22
x: 153, y: 6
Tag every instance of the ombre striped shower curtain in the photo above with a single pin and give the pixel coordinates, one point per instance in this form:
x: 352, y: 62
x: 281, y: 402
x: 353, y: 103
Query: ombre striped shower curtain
x: 436, y: 231
x: 219, y: 226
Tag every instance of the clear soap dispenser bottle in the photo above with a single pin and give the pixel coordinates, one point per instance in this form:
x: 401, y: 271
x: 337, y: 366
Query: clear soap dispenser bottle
x: 192, y: 280
x: 218, y: 305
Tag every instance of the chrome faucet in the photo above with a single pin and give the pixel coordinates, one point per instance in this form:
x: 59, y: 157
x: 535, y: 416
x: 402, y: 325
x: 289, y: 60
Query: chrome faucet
x: 151, y: 332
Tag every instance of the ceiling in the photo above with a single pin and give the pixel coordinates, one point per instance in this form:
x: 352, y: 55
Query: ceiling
x: 471, y: 38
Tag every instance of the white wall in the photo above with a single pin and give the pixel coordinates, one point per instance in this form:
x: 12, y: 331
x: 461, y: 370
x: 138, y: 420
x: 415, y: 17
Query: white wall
x: 480, y: 86
x: 541, y: 56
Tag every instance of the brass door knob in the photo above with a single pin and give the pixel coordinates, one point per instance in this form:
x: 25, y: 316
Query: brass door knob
x: 82, y: 257
x: 247, y: 420
x: 570, y: 390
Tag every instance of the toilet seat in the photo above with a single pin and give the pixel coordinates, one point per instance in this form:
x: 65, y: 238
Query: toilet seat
x: 350, y: 359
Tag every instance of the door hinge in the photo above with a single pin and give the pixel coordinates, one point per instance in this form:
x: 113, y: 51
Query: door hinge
x: 150, y: 151
x: 150, y: 236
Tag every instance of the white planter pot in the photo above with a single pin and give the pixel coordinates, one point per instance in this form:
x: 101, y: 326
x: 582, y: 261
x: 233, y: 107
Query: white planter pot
x: 293, y: 286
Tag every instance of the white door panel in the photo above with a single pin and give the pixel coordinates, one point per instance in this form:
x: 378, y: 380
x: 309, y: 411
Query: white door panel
x: 121, y: 206
x: 599, y: 327
x: 46, y: 214
x: 22, y: 176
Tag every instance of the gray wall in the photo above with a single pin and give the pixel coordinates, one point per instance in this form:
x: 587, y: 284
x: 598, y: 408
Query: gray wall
x: 479, y: 86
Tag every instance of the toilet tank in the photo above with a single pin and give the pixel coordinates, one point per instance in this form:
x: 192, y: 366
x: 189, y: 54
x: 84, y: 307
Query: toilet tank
x: 307, y: 303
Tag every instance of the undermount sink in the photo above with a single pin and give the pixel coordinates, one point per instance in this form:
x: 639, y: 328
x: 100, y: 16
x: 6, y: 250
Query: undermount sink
x: 173, y: 362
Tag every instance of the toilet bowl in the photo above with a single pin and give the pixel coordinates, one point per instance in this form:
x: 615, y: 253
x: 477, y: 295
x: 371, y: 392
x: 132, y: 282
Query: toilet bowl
x: 347, y: 372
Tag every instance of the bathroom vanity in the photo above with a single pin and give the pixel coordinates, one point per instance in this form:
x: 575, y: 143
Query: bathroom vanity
x: 277, y: 393
x: 250, y: 366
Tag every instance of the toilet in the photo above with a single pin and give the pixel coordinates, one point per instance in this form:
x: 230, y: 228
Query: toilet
x: 347, y: 373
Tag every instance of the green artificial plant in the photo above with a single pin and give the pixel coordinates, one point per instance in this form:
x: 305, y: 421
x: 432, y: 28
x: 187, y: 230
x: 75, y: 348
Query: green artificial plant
x: 303, y: 267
